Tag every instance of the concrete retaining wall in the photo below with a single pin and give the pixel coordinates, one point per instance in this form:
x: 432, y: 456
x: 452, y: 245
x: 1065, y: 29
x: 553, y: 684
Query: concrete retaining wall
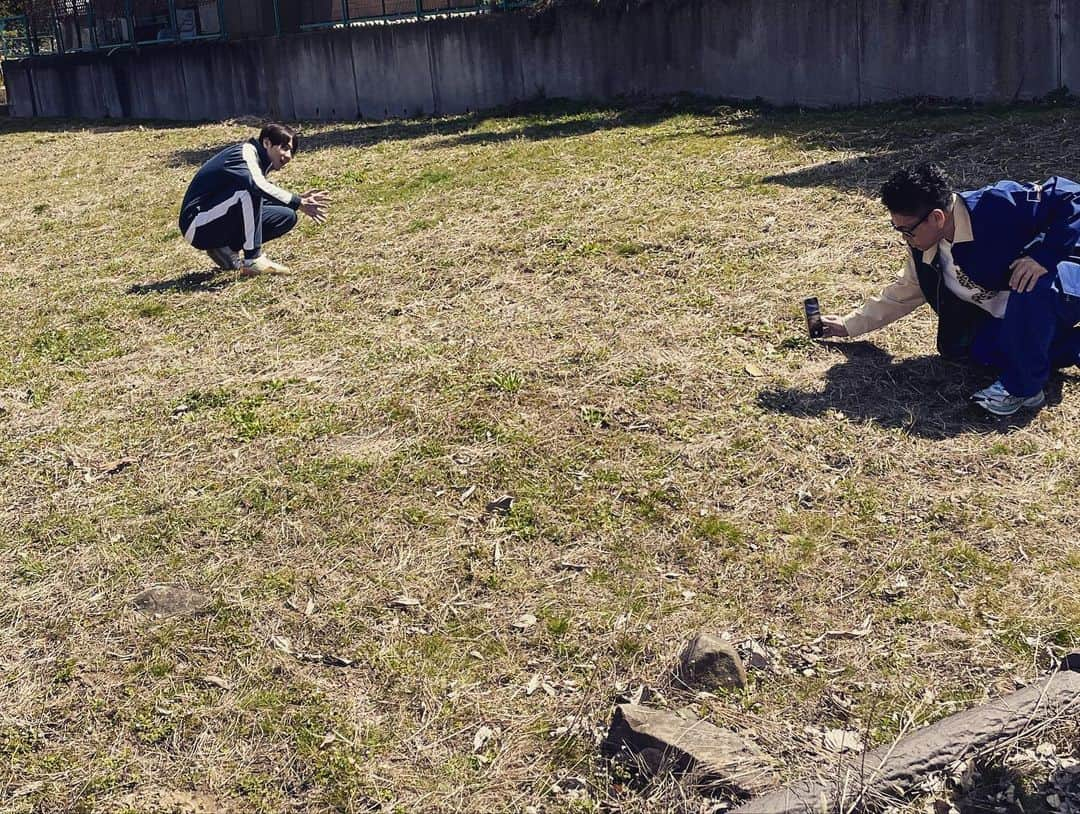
x: 807, y: 52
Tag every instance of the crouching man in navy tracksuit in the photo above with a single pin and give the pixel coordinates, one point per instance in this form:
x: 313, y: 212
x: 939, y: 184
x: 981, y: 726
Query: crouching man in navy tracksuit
x: 231, y: 206
x: 1000, y: 267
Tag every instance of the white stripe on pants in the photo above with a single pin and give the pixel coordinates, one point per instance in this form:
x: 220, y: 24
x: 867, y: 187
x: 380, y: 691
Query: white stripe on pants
x: 247, y: 207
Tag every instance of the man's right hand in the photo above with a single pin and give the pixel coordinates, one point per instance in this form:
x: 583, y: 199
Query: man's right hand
x: 832, y: 325
x: 314, y: 204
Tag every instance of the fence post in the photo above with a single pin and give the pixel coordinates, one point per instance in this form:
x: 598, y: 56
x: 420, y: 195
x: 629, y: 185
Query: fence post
x: 92, y: 25
x: 223, y: 32
x: 344, y: 11
x: 129, y: 18
x: 58, y: 34
x: 29, y: 38
x: 172, y: 20
x: 419, y: 9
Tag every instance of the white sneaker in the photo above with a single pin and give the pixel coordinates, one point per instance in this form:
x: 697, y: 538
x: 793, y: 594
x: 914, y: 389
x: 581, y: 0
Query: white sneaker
x: 264, y: 265
x: 999, y: 401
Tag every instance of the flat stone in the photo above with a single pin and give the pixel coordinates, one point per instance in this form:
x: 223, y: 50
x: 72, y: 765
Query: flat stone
x: 171, y: 600
x: 663, y: 741
x: 711, y: 663
x: 896, y: 770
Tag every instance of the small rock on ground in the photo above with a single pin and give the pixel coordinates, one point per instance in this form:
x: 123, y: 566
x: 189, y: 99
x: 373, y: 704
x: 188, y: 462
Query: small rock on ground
x: 711, y: 663
x: 171, y: 600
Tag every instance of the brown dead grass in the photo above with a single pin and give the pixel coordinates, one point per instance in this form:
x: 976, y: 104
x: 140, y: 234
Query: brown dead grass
x: 562, y: 306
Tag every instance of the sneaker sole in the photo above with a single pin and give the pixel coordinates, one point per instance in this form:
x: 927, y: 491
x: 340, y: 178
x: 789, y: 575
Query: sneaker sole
x: 1027, y: 404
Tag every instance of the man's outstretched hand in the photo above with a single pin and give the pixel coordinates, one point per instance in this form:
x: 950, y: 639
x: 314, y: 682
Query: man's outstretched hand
x: 832, y: 325
x: 314, y: 203
x: 1025, y: 273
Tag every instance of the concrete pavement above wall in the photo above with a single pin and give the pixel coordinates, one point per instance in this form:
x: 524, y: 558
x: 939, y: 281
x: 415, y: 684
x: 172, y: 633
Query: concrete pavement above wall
x: 813, y: 53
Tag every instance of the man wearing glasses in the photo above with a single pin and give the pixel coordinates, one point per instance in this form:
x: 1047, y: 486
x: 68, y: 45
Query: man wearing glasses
x: 998, y: 265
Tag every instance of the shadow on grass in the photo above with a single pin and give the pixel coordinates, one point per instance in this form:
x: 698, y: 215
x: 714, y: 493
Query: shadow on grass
x: 539, y: 121
x: 1000, y: 789
x: 976, y: 145
x: 925, y: 396
x: 187, y: 283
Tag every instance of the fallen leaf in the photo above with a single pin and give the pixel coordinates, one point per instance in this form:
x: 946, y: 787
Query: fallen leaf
x: 404, y: 602
x: 572, y: 566
x: 533, y: 684
x: 842, y: 740
x: 281, y: 643
x: 855, y: 633
x: 482, y: 736
x: 217, y: 681
x: 328, y: 738
x: 524, y: 622
x: 309, y: 608
x: 758, y: 657
x: 754, y: 370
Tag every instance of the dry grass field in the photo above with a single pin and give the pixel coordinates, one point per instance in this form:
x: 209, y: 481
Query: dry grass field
x: 593, y: 311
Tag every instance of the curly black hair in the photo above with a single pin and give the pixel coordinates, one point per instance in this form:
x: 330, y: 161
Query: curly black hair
x: 917, y: 190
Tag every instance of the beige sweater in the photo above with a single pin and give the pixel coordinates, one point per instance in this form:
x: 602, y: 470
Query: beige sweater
x: 904, y: 296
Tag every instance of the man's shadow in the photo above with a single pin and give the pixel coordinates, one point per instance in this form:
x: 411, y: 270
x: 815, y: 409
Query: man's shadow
x: 925, y: 396
x: 214, y: 280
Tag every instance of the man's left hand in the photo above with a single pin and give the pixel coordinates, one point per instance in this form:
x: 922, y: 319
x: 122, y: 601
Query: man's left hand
x: 1025, y: 273
x: 314, y: 204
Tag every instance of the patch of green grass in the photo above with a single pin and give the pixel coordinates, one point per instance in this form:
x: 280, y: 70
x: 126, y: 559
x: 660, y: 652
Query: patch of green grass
x: 245, y: 419
x: 715, y: 529
x: 212, y: 399
x: 151, y: 308
x: 509, y: 381
x: 73, y: 345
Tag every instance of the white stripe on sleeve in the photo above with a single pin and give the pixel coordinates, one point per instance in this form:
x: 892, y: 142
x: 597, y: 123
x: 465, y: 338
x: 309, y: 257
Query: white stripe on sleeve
x: 251, y: 158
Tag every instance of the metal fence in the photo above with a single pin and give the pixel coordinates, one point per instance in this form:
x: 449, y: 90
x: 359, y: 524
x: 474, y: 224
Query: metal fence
x: 65, y: 26
x: 338, y: 12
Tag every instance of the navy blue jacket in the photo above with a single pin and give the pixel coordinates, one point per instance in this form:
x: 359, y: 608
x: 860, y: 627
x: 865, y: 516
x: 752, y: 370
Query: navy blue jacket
x: 1009, y: 220
x: 241, y: 167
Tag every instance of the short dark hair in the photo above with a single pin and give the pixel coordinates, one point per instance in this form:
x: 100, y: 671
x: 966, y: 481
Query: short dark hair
x: 280, y: 135
x: 917, y: 189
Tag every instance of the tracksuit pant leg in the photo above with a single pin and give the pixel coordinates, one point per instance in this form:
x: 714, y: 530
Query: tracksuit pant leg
x: 1036, y: 334
x: 243, y: 223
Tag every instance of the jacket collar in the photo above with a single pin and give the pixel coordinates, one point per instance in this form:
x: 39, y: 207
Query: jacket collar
x: 962, y: 232
x: 264, y: 157
x: 962, y: 220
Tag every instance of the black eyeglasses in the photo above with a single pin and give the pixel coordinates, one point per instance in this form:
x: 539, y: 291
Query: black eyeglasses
x: 909, y: 231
